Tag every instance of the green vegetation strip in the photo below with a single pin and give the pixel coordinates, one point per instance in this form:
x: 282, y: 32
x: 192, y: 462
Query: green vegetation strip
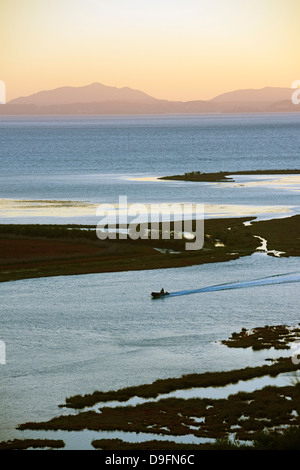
x: 223, y: 176
x: 69, y: 250
x: 244, y: 414
x: 113, y: 255
x: 281, y: 234
x: 288, y: 439
x: 23, y: 444
x: 266, y: 337
x: 163, y: 386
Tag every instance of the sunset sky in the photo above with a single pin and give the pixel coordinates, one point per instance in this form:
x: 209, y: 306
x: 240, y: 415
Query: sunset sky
x: 172, y: 49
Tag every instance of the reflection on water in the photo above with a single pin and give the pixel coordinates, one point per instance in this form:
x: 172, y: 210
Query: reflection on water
x: 82, y: 212
x: 76, y: 334
x: 200, y: 392
x: 276, y: 279
x: 81, y: 440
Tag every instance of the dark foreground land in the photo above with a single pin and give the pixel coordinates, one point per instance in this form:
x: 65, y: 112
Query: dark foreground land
x: 264, y: 419
x: 25, y: 444
x: 225, y: 176
x: 267, y: 418
x: 287, y: 440
x: 30, y: 251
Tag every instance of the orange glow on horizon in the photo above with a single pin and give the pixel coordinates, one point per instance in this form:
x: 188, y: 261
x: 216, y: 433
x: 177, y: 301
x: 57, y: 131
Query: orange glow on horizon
x: 172, y: 50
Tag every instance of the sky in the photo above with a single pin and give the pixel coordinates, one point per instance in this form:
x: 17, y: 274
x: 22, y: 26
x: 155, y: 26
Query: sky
x: 171, y: 49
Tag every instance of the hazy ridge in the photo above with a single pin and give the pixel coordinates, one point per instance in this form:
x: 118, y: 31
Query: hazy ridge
x: 97, y: 98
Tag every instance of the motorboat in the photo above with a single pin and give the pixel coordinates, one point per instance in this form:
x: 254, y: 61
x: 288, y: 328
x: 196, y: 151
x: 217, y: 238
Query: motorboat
x: 157, y: 295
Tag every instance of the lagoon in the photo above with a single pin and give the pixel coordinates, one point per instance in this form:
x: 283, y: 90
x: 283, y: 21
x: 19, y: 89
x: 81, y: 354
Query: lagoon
x: 76, y: 334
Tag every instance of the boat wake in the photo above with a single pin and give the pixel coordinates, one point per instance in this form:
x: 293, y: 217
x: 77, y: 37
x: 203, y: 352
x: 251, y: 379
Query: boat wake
x: 277, y: 279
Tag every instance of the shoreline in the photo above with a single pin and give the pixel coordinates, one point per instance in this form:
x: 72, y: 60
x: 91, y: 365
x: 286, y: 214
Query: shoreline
x: 166, y: 415
x: 11, y: 209
x: 33, y: 251
x: 225, y: 176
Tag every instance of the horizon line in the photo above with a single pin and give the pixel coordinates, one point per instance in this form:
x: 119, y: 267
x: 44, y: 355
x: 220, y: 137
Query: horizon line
x: 146, y: 93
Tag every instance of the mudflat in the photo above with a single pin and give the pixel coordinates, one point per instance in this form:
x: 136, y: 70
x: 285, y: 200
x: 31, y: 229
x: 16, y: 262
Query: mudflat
x: 30, y: 251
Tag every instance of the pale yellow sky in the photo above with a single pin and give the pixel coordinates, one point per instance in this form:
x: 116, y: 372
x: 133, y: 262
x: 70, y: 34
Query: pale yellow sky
x: 173, y: 49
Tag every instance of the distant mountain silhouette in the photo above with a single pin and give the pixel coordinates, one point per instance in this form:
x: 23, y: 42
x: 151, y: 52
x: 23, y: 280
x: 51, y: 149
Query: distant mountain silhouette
x: 263, y: 95
x: 101, y: 99
x: 93, y: 93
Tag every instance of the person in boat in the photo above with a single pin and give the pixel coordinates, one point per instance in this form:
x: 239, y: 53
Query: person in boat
x: 162, y: 291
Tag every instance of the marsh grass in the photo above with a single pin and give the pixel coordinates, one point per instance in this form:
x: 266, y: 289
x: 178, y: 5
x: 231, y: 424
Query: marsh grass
x: 224, y: 240
x: 255, y: 418
x: 285, y: 440
x: 164, y: 386
x: 225, y: 176
x: 277, y: 337
x: 28, y: 251
x: 245, y: 414
x: 23, y: 444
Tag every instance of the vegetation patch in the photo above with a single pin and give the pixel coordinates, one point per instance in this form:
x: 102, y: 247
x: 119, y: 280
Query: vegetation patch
x: 119, y: 444
x: 225, y: 176
x: 30, y: 251
x: 221, y: 176
x: 288, y: 439
x: 23, y: 444
x: 244, y: 414
x: 254, y: 418
x: 266, y: 337
x: 281, y: 235
x: 163, y: 386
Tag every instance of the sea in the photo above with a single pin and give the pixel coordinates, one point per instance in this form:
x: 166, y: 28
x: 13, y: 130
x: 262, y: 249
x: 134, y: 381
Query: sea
x: 69, y: 335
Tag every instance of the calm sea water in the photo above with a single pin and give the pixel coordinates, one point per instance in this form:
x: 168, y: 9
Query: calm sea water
x: 75, y: 334
x: 93, y: 158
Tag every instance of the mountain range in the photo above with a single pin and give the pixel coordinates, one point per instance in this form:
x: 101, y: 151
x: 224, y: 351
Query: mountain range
x: 97, y: 98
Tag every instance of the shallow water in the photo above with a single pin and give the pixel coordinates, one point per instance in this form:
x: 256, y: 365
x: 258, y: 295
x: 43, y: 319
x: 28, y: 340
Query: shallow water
x: 276, y: 279
x: 96, y: 159
x: 76, y: 334
x: 81, y: 440
x: 202, y: 392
